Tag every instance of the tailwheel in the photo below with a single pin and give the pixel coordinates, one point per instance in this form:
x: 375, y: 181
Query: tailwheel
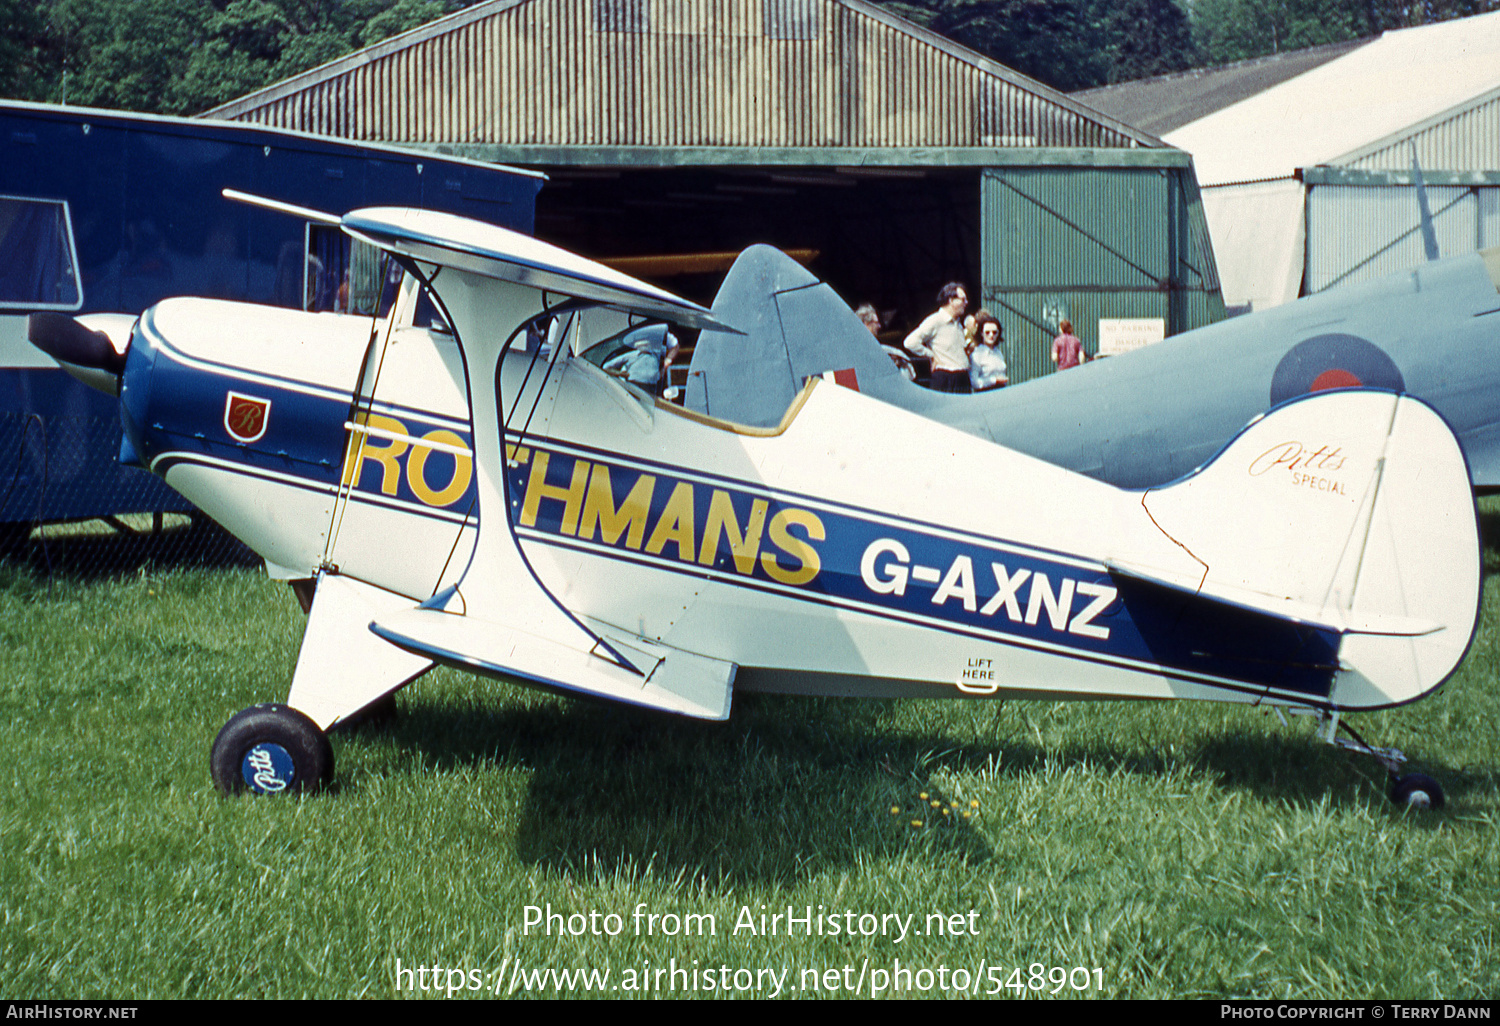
x: 1417, y: 791
x: 1412, y: 791
x: 271, y: 749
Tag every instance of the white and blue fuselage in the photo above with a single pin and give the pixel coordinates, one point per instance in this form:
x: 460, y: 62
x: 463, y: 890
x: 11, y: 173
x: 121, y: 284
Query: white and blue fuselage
x: 855, y: 549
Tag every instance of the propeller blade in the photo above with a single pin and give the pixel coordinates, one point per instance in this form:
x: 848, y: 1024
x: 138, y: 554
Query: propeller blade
x: 67, y: 341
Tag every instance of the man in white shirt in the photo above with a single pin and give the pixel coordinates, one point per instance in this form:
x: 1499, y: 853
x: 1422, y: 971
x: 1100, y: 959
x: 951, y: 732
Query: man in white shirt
x: 940, y: 338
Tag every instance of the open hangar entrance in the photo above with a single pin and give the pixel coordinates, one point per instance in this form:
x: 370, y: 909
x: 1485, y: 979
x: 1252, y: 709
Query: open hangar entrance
x: 887, y: 236
x: 1036, y: 236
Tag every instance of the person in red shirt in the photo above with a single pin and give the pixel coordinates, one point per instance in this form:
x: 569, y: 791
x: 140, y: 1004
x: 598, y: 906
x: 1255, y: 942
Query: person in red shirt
x: 1067, y: 350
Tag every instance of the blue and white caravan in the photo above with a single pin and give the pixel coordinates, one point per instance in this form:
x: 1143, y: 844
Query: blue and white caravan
x: 562, y: 528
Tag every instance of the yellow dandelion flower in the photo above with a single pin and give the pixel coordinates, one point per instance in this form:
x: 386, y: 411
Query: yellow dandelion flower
x: 895, y: 810
x: 916, y: 822
x: 923, y: 796
x: 974, y: 803
x: 966, y: 814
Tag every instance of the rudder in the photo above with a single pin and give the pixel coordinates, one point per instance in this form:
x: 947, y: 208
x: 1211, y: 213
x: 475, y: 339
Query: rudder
x: 794, y: 327
x: 1351, y: 509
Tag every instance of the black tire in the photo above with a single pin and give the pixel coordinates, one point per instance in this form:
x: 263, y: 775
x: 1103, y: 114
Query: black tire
x: 270, y: 749
x: 1418, y: 791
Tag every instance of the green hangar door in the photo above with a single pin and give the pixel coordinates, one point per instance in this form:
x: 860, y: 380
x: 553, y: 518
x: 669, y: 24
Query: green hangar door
x: 1121, y: 252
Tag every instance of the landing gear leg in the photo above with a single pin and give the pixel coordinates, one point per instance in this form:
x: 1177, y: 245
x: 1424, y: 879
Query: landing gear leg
x: 1413, y: 790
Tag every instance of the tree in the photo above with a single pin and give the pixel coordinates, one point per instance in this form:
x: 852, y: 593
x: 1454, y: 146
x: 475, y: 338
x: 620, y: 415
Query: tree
x: 1053, y: 41
x: 24, y: 57
x: 1068, y: 44
x: 253, y: 43
x: 121, y: 54
x: 1233, y: 30
x: 1145, y: 38
x: 183, y: 56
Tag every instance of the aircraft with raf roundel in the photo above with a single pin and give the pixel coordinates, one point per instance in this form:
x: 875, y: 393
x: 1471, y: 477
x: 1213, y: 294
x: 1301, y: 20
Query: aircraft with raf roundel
x: 1146, y: 417
x: 459, y: 482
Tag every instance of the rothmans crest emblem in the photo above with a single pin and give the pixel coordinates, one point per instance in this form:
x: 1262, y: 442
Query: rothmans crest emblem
x: 245, y: 416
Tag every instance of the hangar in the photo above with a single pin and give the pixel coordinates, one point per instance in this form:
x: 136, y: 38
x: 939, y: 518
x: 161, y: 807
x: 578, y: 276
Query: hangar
x: 676, y: 132
x: 1306, y: 159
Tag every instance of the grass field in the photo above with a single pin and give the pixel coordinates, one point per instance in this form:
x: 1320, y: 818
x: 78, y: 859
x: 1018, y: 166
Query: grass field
x: 1139, y: 851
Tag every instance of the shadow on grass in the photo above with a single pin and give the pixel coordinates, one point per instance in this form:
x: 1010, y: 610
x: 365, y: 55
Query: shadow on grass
x: 1305, y: 771
x: 1489, y: 533
x: 794, y: 786
x: 87, y: 558
x: 786, y: 788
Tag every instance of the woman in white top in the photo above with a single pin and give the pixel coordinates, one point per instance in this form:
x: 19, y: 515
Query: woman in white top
x: 986, y: 362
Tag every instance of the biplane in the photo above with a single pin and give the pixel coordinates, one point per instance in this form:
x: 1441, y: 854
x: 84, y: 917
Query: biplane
x: 460, y: 482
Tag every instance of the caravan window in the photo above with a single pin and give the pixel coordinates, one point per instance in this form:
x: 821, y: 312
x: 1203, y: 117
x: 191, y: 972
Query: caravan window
x: 345, y: 275
x: 38, y: 260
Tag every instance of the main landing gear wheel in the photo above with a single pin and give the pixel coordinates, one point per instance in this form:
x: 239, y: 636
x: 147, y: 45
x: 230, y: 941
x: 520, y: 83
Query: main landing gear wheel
x: 270, y: 749
x: 1417, y: 791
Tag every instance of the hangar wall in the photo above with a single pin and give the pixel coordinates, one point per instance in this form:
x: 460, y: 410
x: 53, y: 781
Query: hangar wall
x: 757, y: 73
x: 1086, y: 243
x: 679, y: 126
x: 1365, y: 224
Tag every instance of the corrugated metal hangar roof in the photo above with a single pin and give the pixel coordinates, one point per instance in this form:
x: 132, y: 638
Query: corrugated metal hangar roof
x: 1167, y: 102
x: 674, y: 131
x: 705, y: 73
x: 1361, y: 108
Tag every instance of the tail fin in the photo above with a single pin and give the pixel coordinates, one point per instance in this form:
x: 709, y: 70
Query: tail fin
x: 1349, y: 510
x: 795, y: 327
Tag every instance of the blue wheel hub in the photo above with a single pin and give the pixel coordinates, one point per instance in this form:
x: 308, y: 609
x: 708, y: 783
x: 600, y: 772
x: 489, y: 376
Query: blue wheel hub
x: 268, y: 768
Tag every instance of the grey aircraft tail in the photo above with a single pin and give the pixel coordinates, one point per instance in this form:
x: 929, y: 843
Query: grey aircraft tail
x: 795, y: 327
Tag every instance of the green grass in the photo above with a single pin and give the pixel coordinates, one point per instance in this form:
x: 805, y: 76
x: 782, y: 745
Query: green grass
x: 1183, y: 850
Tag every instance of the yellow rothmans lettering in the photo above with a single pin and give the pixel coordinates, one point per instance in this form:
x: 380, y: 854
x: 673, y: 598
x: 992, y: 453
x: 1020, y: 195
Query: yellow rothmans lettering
x: 571, y: 497
x: 396, y: 456
x: 590, y: 513
x: 723, y: 523
x: 783, y: 539
x: 599, y: 509
x: 416, y: 471
x: 676, y: 524
x: 386, y: 452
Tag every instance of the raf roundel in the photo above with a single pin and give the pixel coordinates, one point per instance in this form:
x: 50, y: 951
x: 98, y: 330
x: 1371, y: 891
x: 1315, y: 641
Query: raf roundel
x: 1331, y: 361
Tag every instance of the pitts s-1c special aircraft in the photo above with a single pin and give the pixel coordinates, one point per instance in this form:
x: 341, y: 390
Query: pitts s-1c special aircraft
x: 456, y: 493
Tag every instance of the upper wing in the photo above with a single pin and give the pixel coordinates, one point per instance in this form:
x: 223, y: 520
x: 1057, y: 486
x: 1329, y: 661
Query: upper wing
x: 484, y: 249
x: 450, y: 240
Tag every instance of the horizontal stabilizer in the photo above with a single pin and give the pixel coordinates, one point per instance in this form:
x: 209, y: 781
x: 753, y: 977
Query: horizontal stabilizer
x: 670, y: 679
x: 1348, y: 510
x: 1342, y: 621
